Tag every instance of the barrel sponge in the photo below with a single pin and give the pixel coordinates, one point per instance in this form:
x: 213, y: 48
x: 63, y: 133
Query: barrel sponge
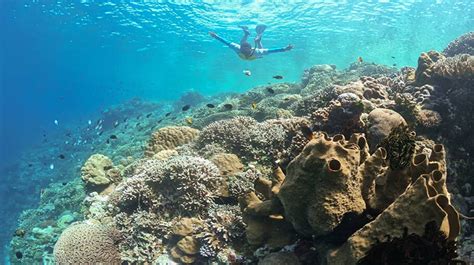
x: 87, y: 244
x: 169, y: 138
x: 322, y: 183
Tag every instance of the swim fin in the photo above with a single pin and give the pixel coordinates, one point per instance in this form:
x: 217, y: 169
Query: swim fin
x: 260, y: 29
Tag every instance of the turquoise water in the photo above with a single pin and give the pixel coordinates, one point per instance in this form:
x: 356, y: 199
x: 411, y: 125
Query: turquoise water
x: 70, y: 60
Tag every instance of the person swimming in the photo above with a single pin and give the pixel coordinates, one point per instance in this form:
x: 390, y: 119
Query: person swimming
x: 245, y: 50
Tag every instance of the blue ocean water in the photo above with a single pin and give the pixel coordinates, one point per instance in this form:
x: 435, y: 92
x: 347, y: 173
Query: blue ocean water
x: 70, y: 60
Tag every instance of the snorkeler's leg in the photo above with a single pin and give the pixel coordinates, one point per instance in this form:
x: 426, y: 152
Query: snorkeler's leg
x: 246, y: 34
x: 258, y: 39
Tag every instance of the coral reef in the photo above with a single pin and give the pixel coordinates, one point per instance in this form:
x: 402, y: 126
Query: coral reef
x: 326, y: 171
x: 87, y: 244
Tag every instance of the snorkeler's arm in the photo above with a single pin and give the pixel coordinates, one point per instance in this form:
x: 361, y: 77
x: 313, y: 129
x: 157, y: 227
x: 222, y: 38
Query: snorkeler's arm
x: 226, y: 42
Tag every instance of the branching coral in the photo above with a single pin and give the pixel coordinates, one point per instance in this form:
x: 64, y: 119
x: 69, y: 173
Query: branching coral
x: 244, y: 136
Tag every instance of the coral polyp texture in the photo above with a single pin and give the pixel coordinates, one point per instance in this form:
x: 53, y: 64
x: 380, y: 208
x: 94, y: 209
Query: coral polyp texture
x: 168, y: 138
x: 87, y: 244
x: 349, y: 166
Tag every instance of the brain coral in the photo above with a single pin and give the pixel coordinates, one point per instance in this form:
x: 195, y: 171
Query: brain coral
x: 169, y: 138
x: 87, y: 244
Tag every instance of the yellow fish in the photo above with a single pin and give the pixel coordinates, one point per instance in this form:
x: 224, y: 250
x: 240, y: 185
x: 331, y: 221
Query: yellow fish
x: 189, y: 120
x: 254, y: 105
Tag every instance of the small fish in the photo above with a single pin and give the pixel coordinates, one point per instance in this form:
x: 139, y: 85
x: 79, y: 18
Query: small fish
x: 124, y: 120
x: 189, y: 120
x: 116, y: 124
x: 286, y: 99
x: 278, y: 77
x: 307, y: 132
x: 61, y: 156
x: 51, y: 166
x: 247, y: 72
x: 210, y: 105
x: 254, y: 105
x: 138, y: 117
x: 56, y: 122
x: 113, y: 137
x: 149, y: 115
x: 159, y: 121
x: 228, y: 106
x: 393, y: 57
x: 30, y: 165
x: 394, y: 64
x: 108, y: 141
x: 64, y: 183
x: 167, y: 114
x: 89, y: 122
x: 185, y: 107
x: 19, y: 255
x: 100, y: 133
x: 138, y: 124
x: 360, y: 60
x: 270, y: 90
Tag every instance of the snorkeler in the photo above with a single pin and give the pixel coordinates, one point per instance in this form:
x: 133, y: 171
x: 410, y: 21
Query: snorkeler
x: 245, y: 50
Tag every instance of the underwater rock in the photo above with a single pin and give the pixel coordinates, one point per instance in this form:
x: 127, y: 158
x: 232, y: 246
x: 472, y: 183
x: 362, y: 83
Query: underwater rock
x: 165, y: 154
x: 87, y: 244
x: 380, y: 123
x: 280, y: 258
x: 98, y: 172
x: 464, y: 44
x: 417, y: 206
x: 325, y: 177
x: 168, y: 138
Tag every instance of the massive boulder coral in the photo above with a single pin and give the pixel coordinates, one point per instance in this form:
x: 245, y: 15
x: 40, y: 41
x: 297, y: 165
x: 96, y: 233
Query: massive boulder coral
x: 168, y: 138
x: 380, y: 122
x: 322, y: 183
x: 87, y: 244
x: 99, y: 171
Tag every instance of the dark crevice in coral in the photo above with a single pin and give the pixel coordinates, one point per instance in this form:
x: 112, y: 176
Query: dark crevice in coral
x: 350, y: 223
x: 431, y: 248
